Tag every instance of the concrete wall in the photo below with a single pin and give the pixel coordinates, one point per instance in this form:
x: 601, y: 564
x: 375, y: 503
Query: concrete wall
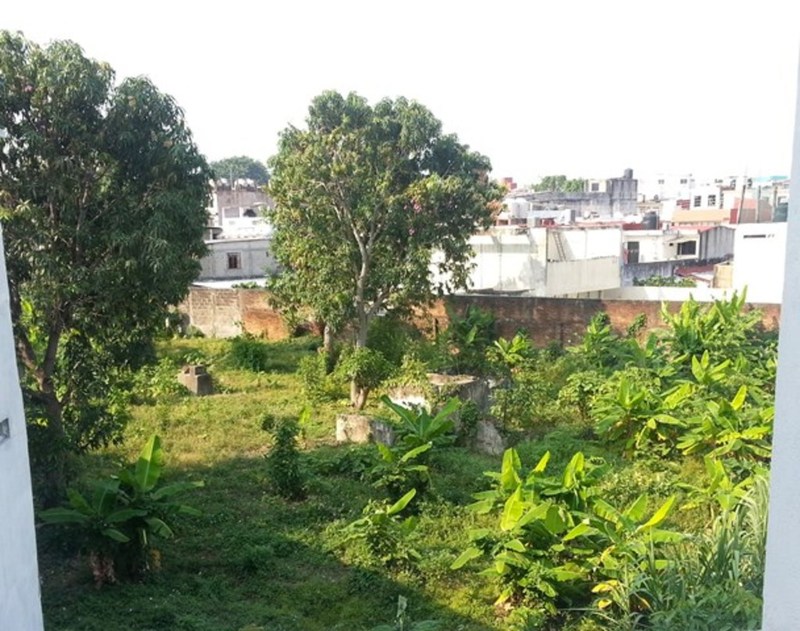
x: 575, y: 277
x: 253, y: 255
x: 716, y: 243
x: 510, y: 262
x: 640, y: 271
x: 582, y: 243
x: 758, y: 260
x: 20, y: 606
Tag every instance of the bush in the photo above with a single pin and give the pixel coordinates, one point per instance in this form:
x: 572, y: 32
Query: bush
x: 319, y: 386
x: 366, y: 369
x: 156, y: 382
x: 283, y: 461
x: 390, y: 336
x: 468, y: 339
x: 248, y: 353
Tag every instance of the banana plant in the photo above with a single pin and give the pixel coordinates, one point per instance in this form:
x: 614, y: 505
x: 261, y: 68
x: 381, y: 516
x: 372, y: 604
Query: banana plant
x: 398, y: 471
x: 418, y: 427
x: 125, y: 515
x: 384, y: 533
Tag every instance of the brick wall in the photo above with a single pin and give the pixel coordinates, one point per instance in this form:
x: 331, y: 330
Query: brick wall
x: 225, y: 312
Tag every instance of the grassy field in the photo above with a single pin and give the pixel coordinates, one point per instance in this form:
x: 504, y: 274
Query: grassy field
x: 254, y: 561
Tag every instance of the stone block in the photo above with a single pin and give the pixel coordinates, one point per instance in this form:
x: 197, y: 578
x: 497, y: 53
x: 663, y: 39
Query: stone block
x: 353, y: 428
x: 488, y: 439
x: 357, y: 428
x: 196, y: 380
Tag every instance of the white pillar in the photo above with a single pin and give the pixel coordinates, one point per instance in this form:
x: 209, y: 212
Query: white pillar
x: 20, y: 607
x: 782, y: 579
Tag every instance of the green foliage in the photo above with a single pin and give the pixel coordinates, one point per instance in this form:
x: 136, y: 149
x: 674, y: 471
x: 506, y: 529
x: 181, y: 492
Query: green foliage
x: 156, y: 382
x: 418, y: 427
x: 385, y: 533
x: 390, y: 336
x: 240, y: 167
x: 364, y: 195
x: 283, y: 460
x: 319, y: 386
x: 103, y: 196
x: 125, y: 516
x: 468, y: 339
x: 508, y: 356
x: 580, y: 389
x: 559, y: 184
x: 556, y: 535
x: 401, y: 469
x: 664, y: 281
x: 248, y: 353
x: 366, y: 369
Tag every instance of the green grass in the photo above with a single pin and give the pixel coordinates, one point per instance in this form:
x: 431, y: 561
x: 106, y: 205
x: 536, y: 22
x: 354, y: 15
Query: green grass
x: 254, y: 561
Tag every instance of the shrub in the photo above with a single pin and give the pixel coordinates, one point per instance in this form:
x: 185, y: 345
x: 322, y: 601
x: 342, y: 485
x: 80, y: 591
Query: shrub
x: 366, y: 369
x: 248, y: 353
x: 156, y: 382
x: 283, y: 461
x: 385, y: 534
x: 319, y: 385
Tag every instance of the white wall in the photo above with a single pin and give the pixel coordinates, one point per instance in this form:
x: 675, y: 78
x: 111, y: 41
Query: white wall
x: 575, y: 277
x: 656, y: 245
x: 759, y: 251
x: 256, y: 261
x: 583, y: 243
x: 509, y: 262
x: 20, y: 609
x: 782, y: 577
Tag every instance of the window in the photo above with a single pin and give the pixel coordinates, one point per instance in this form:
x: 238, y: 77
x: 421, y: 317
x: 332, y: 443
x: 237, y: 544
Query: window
x: 698, y: 201
x: 712, y: 201
x: 234, y: 260
x: 230, y: 213
x: 595, y: 187
x: 687, y: 248
x: 684, y: 181
x: 249, y: 212
x: 633, y: 252
x: 661, y: 182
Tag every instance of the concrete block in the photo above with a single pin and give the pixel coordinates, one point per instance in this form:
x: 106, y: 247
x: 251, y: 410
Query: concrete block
x: 196, y: 380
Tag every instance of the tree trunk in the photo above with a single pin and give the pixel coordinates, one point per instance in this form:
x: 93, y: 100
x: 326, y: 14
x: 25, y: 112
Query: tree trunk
x: 54, y: 462
x: 327, y: 339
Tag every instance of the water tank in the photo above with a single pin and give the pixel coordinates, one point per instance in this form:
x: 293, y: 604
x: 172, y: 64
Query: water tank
x: 628, y: 174
x: 650, y: 221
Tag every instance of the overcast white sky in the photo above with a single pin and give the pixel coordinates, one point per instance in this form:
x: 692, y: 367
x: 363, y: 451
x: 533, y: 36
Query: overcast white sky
x: 556, y: 86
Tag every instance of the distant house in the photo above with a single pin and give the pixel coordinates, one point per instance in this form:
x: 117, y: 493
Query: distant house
x: 610, y: 198
x: 238, y: 235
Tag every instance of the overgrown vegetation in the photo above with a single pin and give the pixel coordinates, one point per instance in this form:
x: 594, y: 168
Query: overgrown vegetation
x: 634, y: 496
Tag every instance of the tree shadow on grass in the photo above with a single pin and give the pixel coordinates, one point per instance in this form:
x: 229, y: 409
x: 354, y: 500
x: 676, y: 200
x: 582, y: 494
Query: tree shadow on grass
x: 253, y: 562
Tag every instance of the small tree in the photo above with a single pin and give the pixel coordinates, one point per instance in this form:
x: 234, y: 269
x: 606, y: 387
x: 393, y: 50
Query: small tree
x: 364, y: 198
x: 102, y: 198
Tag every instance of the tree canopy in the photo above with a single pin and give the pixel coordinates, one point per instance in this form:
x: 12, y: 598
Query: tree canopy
x: 102, y: 199
x: 559, y: 184
x: 240, y: 167
x: 364, y: 198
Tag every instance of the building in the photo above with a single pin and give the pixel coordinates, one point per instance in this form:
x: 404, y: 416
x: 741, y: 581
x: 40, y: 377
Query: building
x: 603, y: 199
x: 242, y: 258
x: 546, y: 261
x: 20, y: 606
x: 759, y: 254
x: 238, y: 208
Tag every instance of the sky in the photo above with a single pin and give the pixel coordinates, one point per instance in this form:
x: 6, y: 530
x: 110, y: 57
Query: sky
x: 583, y: 88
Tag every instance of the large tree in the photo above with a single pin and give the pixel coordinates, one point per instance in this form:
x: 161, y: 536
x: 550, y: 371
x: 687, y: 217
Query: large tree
x: 365, y: 196
x: 102, y: 199
x: 239, y: 167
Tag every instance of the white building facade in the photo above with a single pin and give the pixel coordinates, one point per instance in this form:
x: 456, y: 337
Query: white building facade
x: 20, y: 607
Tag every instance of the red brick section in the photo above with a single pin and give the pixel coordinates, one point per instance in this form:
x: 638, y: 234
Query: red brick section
x: 563, y: 320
